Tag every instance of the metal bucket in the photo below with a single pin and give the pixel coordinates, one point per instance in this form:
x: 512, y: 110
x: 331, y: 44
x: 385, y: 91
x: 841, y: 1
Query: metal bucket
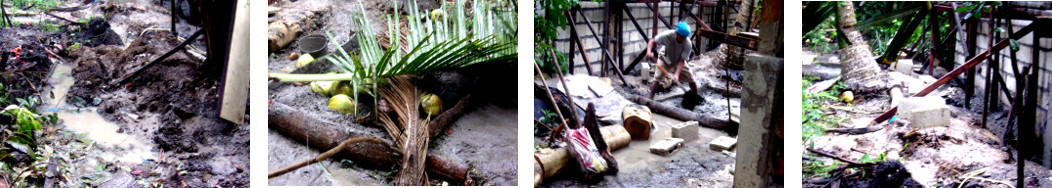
x: 316, y: 45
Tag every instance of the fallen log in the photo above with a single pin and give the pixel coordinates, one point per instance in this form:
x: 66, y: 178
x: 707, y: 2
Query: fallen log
x: 449, y: 116
x: 686, y: 115
x: 296, y: 18
x: 550, y: 162
x: 326, y: 135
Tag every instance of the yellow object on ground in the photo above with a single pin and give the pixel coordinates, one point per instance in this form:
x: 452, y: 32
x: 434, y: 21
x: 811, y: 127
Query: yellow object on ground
x: 321, y: 87
x: 847, y: 97
x: 431, y: 104
x: 341, y: 87
x: 342, y: 103
x: 304, y: 60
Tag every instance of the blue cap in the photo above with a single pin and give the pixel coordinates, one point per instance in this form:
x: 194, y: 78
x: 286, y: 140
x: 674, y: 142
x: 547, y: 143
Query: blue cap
x: 683, y: 29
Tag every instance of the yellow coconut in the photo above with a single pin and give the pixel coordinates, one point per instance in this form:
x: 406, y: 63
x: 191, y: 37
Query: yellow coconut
x: 342, y: 103
x: 847, y: 97
x: 431, y: 104
x: 304, y: 60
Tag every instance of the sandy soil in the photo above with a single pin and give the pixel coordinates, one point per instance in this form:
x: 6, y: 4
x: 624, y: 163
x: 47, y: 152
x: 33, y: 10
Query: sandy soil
x: 935, y: 157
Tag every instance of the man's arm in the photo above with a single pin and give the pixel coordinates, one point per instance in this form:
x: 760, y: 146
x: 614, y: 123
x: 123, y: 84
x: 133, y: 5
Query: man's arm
x: 650, y: 49
x: 679, y: 67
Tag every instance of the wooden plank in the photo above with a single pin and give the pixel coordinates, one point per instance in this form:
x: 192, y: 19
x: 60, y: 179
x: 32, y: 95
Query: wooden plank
x: 235, y: 81
x: 729, y: 39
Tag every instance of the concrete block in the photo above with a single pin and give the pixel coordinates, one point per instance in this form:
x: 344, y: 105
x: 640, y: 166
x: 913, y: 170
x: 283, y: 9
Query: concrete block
x: 924, y: 112
x: 722, y: 143
x: 688, y: 131
x: 905, y: 66
x: 666, y: 147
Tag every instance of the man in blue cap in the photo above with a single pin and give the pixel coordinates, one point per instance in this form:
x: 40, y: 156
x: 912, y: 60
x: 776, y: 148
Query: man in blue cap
x: 677, y: 53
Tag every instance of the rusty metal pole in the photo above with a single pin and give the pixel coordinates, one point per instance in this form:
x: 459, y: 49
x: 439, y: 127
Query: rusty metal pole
x: 577, y: 39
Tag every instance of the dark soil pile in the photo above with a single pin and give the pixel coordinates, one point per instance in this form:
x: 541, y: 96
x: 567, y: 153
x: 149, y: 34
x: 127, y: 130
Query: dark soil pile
x: 882, y: 174
x: 173, y: 102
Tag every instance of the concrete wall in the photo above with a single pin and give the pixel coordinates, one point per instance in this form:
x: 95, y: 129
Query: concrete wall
x: 1024, y: 57
x: 634, y: 43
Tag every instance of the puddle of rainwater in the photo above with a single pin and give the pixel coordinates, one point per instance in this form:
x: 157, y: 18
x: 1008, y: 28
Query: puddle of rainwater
x: 129, y: 148
x: 637, y: 156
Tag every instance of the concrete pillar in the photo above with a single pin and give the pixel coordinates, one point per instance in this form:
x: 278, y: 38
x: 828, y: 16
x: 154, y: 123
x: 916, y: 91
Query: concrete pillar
x: 759, y: 133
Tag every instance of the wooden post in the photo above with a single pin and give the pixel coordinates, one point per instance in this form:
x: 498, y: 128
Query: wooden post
x: 989, y: 68
x: 970, y: 76
x: 1030, y: 107
x: 235, y: 81
x: 605, y: 42
x: 573, y: 37
x: 637, y: 120
x: 620, y: 36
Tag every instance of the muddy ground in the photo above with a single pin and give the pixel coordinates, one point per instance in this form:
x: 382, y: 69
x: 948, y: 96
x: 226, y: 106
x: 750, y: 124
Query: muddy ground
x: 484, y: 138
x: 694, y: 164
x: 935, y: 157
x: 167, y: 115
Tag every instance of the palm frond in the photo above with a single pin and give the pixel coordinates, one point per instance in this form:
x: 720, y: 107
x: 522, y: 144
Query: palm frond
x: 435, y: 44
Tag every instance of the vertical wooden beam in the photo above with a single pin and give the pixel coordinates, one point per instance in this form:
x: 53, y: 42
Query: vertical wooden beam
x: 573, y: 37
x: 989, y: 69
x: 657, y: 15
x: 654, y: 31
x: 672, y: 13
x: 970, y: 75
x: 605, y: 42
x: 1031, y: 98
x: 620, y: 36
x: 234, y: 96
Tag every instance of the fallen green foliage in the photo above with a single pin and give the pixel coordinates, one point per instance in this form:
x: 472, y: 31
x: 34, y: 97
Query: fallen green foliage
x: 41, y: 5
x: 815, y: 119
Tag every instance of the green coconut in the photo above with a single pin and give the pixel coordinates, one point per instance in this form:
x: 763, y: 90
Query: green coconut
x: 431, y: 104
x: 341, y: 87
x: 342, y: 103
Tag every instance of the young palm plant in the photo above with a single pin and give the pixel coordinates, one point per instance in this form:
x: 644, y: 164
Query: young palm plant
x: 433, y: 43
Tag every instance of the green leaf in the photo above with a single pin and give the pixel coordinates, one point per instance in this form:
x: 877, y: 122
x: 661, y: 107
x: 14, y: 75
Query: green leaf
x: 1014, y: 45
x: 999, y: 30
x: 22, y: 101
x: 965, y: 8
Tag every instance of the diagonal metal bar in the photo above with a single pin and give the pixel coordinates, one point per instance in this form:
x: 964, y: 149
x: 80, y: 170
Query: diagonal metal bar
x: 588, y: 22
x: 577, y: 39
x: 967, y: 66
x: 638, y: 28
x: 657, y: 15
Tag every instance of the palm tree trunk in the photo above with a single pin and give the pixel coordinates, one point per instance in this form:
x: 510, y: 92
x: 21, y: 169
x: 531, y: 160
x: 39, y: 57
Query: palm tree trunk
x: 859, y: 69
x: 733, y: 56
